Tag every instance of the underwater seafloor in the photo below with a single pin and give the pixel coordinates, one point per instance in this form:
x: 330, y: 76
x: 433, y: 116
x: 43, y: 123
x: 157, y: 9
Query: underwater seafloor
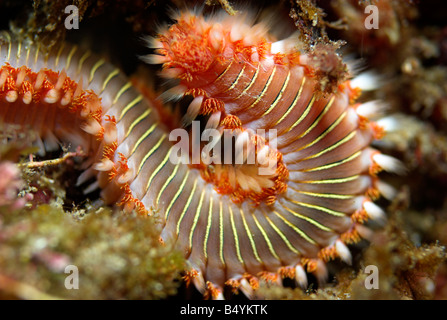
x: 119, y: 256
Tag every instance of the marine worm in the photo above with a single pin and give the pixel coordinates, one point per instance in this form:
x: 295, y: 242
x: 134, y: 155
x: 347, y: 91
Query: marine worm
x: 235, y: 224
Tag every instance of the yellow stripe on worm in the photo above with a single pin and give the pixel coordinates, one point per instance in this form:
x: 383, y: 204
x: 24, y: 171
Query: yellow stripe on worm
x: 304, y: 115
x: 137, y: 121
x: 208, y: 228
x: 130, y: 105
x: 111, y: 75
x: 253, y: 80
x: 95, y: 67
x: 154, y: 148
x: 121, y: 91
x: 319, y: 208
x: 236, y: 237
x: 335, y: 145
x: 69, y: 57
x: 335, y: 164
x: 292, y: 105
x: 283, y: 237
x: 196, y: 218
x: 279, y: 96
x: 186, y: 206
x: 264, y: 90
x: 82, y: 60
x: 295, y: 228
x: 144, y: 136
x: 157, y: 170
x: 236, y: 80
x: 180, y: 190
x: 310, y: 220
x: 266, y: 238
x: 250, y: 236
x: 167, y: 182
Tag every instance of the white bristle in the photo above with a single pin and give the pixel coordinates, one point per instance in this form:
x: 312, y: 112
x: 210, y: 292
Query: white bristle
x: 262, y: 182
x: 126, y: 177
x: 193, y: 110
x: 110, y: 134
x: 199, y: 282
x: 20, y: 76
x: 374, y: 212
x: 61, y: 80
x: 78, y: 89
x: 371, y: 109
x: 3, y: 77
x: 51, y: 141
x: 246, y: 288
x: 389, y: 164
x: 41, y: 146
x: 389, y: 124
x: 171, y: 73
x: 243, y: 181
x: 152, y: 42
x: 321, y: 272
x: 263, y: 155
x: 92, y: 187
x: 232, y: 177
x: 278, y: 47
x: 104, y: 165
x: 249, y: 39
x: 366, y: 81
x: 27, y: 97
x: 236, y: 33
x: 300, y: 276
x: 11, y: 96
x: 91, y: 126
x: 86, y: 175
x: 39, y: 80
x: 343, y: 251
x: 386, y: 190
x: 220, y: 296
x: 66, y: 98
x: 52, y: 96
x: 213, y: 121
x: 253, y: 184
x: 364, y: 231
x: 174, y: 93
x: 154, y: 59
x: 216, y: 36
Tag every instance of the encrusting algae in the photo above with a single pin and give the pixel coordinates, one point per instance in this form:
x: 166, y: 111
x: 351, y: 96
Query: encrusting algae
x: 117, y: 256
x: 43, y: 236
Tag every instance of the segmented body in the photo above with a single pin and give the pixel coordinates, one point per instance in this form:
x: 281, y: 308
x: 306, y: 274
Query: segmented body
x: 233, y: 230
